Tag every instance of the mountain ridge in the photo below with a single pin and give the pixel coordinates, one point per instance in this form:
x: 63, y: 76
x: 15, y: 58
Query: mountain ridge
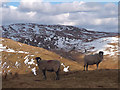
x: 51, y: 36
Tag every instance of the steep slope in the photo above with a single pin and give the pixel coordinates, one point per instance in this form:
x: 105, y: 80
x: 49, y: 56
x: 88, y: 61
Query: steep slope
x: 18, y: 57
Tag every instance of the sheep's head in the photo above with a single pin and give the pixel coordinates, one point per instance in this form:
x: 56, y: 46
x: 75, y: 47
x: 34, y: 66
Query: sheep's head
x: 101, y: 54
x: 37, y: 59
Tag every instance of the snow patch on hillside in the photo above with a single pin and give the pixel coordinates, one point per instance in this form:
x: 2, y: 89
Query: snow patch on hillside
x: 17, y: 64
x: 104, y: 44
x: 66, y: 68
x: 30, y: 61
x: 34, y: 71
x: 4, y: 48
x: 67, y: 43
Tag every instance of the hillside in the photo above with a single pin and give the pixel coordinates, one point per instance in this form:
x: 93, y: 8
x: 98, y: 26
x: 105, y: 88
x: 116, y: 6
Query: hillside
x: 109, y: 45
x: 68, y: 41
x: 18, y: 57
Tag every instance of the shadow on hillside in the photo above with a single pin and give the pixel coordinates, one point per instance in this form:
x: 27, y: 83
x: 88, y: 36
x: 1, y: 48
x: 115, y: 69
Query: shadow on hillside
x: 103, y: 78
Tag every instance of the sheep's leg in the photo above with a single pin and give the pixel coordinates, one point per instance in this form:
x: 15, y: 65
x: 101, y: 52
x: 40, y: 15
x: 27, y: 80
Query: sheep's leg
x: 87, y: 67
x: 84, y: 67
x: 57, y: 75
x: 44, y: 73
x: 97, y: 66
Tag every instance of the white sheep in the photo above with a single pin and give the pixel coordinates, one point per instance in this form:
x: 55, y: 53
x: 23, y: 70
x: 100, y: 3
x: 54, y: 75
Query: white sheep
x: 93, y: 59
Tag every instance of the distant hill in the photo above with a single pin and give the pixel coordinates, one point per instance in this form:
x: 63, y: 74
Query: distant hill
x: 52, y: 37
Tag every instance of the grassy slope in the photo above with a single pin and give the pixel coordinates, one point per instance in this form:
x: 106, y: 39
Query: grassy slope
x: 73, y: 79
x: 11, y: 58
x: 109, y: 62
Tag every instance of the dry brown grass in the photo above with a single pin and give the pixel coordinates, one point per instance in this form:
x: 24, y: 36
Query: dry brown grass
x: 74, y: 79
x: 11, y: 58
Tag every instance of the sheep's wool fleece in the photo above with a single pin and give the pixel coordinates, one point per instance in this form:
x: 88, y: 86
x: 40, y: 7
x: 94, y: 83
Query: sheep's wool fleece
x: 49, y: 64
x: 92, y: 59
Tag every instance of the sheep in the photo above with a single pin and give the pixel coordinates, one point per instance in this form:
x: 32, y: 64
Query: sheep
x: 49, y: 65
x: 93, y: 59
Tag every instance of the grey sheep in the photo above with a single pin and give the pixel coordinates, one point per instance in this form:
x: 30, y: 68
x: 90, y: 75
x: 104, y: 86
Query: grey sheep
x: 49, y: 65
x: 93, y: 59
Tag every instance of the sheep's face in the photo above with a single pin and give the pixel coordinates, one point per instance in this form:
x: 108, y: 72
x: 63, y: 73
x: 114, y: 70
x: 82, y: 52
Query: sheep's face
x: 101, y: 53
x: 38, y: 59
